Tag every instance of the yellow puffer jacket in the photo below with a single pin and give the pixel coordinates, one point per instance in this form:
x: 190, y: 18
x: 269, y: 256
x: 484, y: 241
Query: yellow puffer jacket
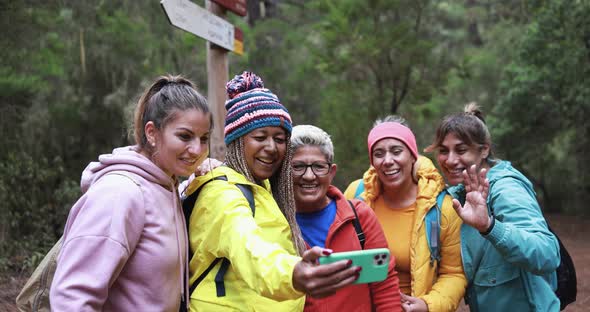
x: 259, y: 248
x: 442, y: 291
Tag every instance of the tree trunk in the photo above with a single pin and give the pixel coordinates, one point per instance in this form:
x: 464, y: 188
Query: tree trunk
x: 472, y: 28
x: 253, y: 9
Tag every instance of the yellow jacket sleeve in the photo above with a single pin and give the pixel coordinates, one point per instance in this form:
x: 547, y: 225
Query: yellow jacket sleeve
x: 450, y: 285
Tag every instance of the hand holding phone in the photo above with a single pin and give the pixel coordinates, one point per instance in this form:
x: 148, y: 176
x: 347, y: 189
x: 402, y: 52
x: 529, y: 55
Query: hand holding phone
x: 319, y: 281
x: 375, y: 263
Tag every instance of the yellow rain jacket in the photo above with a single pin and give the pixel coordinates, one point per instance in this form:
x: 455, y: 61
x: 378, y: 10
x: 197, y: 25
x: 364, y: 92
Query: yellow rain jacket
x: 442, y: 291
x: 259, y: 248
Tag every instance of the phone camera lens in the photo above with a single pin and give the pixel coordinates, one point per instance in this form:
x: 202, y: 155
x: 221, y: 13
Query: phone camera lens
x: 376, y: 257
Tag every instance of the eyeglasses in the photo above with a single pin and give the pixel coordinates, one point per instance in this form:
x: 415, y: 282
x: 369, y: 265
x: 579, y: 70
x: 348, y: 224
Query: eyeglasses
x: 318, y: 168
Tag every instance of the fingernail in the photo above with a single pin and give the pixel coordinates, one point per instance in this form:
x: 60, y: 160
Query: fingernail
x: 349, y: 263
x: 327, y: 252
x: 358, y: 269
x: 357, y: 276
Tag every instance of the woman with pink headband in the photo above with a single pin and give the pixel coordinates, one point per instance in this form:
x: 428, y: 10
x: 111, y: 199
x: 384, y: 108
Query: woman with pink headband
x: 402, y: 187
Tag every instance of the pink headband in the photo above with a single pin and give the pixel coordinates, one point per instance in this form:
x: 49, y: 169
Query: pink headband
x: 392, y: 130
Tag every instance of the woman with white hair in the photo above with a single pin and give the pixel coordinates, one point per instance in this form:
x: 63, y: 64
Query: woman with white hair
x: 328, y: 220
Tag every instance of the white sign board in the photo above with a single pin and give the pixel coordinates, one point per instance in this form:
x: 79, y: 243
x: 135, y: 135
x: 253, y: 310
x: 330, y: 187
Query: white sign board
x: 196, y: 20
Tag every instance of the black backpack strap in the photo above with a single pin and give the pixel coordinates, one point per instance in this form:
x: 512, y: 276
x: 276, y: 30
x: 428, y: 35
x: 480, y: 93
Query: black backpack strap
x: 188, y: 202
x: 202, y: 276
x: 247, y: 191
x: 567, y: 289
x: 219, y: 284
x: 357, y: 226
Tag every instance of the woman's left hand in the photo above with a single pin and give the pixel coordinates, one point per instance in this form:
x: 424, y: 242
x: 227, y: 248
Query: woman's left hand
x: 413, y: 304
x: 475, y: 210
x: 207, y: 165
x: 320, y: 281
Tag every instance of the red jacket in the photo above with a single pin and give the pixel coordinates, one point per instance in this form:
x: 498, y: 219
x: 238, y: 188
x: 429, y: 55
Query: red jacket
x: 342, y: 237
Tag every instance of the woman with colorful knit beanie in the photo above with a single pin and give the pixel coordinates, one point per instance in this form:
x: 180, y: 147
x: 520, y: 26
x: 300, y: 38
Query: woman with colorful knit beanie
x: 268, y: 268
x: 402, y: 187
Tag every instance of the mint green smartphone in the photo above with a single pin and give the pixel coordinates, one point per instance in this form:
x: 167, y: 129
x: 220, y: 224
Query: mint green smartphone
x: 374, y: 262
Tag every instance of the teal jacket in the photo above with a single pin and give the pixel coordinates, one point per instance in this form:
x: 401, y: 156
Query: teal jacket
x: 513, y: 267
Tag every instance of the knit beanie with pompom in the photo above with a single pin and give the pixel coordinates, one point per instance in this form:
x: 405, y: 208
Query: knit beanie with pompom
x: 251, y: 106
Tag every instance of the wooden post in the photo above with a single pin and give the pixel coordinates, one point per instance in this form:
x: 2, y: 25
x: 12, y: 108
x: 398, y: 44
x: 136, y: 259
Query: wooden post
x: 217, y: 77
x: 222, y: 37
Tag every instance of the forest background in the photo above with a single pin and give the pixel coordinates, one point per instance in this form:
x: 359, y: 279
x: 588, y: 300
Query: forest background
x: 70, y: 72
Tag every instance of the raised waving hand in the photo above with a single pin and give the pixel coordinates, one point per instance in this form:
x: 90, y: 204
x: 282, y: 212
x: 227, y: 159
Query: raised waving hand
x: 475, y: 210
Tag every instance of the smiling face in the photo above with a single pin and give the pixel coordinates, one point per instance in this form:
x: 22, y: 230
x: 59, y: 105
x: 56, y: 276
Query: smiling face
x: 454, y: 156
x: 393, y: 161
x: 264, y: 150
x: 182, y: 144
x: 310, y: 189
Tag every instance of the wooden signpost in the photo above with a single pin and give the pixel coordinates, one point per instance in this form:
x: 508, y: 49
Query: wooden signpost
x: 221, y: 37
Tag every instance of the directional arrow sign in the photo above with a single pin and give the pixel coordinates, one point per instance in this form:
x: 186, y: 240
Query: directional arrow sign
x: 196, y: 20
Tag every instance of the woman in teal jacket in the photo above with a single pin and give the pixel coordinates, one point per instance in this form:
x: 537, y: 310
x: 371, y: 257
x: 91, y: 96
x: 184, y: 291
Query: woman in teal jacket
x: 509, y: 254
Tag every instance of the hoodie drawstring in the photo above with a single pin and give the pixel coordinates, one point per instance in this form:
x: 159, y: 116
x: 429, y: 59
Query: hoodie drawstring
x: 181, y: 246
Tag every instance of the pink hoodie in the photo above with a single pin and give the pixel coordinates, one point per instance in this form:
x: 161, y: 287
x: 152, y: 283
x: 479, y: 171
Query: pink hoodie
x: 125, y: 240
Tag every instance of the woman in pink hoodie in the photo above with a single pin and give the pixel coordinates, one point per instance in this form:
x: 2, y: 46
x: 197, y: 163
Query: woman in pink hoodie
x: 125, y: 242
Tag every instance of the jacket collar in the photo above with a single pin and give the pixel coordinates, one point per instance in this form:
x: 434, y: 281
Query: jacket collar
x: 232, y: 177
x: 430, y: 183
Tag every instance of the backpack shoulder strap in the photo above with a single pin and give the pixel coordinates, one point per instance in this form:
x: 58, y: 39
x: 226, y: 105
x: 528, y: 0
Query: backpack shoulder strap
x: 357, y: 226
x: 247, y: 192
x: 567, y: 288
x: 359, y: 189
x: 188, y: 202
x: 219, y: 283
x: 126, y: 174
x: 34, y: 296
x: 432, y: 223
x: 202, y: 276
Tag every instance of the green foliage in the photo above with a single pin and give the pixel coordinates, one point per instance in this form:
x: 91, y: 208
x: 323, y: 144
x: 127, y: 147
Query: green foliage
x: 277, y: 50
x: 70, y: 72
x: 545, y: 104
x: 373, y: 58
x: 35, y: 198
x: 383, y: 46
